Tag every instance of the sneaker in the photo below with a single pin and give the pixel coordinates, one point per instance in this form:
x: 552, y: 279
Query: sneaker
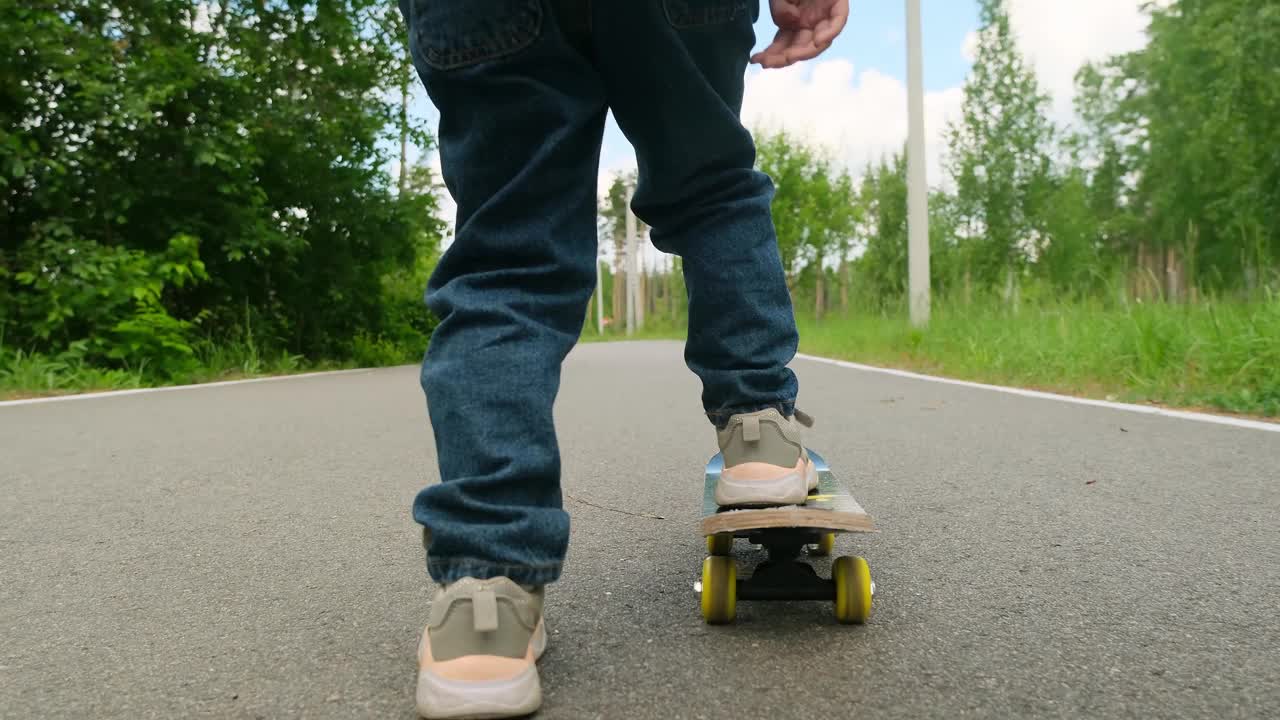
x: 477, y: 656
x: 764, y: 461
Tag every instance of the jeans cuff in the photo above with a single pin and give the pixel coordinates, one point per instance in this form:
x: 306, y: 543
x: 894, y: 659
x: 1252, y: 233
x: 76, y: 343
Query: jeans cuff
x: 720, y: 418
x: 447, y: 570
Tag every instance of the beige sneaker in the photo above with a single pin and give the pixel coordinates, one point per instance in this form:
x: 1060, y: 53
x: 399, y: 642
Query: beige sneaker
x: 765, y: 462
x: 478, y: 655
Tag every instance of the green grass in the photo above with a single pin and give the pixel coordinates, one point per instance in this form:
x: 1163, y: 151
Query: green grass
x: 1214, y: 354
x: 1219, y: 355
x: 241, y: 358
x: 24, y: 374
x: 664, y: 329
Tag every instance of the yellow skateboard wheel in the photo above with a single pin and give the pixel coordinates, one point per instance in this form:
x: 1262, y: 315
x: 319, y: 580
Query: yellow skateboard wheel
x: 719, y: 590
x: 720, y: 544
x: 826, y: 543
x: 852, y: 578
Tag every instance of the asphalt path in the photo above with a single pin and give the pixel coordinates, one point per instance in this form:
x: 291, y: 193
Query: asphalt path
x: 246, y: 551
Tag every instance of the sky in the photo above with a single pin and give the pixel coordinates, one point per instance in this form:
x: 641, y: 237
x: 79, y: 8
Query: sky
x: 852, y: 99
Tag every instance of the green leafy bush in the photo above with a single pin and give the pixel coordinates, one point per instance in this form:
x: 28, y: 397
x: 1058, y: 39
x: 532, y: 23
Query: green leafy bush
x: 107, y: 301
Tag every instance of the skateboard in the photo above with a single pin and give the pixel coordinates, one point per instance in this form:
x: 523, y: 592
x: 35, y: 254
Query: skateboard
x: 785, y: 533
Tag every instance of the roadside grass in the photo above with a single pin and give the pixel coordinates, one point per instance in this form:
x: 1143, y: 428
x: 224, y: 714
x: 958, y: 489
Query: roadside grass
x: 1216, y: 354
x: 1220, y: 355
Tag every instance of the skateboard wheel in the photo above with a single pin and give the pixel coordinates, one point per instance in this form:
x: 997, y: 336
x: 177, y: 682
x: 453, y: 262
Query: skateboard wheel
x: 826, y: 543
x: 720, y: 544
x: 719, y: 590
x: 852, y: 579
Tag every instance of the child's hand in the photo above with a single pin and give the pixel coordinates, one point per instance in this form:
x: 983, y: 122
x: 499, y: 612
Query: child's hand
x: 805, y: 29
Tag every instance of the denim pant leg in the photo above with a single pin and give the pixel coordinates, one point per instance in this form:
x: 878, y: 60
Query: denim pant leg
x: 673, y: 72
x: 521, y: 119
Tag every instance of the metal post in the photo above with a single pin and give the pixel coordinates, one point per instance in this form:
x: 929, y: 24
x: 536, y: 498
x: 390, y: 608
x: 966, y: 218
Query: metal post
x: 642, y: 282
x: 917, y: 184
x: 633, y: 282
x: 599, y: 297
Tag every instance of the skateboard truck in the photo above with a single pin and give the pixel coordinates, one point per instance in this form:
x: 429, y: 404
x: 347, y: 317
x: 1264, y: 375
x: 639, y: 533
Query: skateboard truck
x: 783, y: 576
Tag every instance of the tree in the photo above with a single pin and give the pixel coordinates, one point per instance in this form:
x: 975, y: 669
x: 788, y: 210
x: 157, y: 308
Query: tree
x: 791, y: 166
x: 814, y: 212
x: 999, y: 152
x: 882, y: 267
x: 1188, y: 132
x: 253, y: 134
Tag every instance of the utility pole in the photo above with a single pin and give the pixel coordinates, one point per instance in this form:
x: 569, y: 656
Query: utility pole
x: 917, y: 183
x: 599, y: 297
x: 642, y: 283
x: 633, y: 282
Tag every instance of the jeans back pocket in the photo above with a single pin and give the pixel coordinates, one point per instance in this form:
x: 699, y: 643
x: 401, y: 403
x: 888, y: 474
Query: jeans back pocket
x: 451, y: 34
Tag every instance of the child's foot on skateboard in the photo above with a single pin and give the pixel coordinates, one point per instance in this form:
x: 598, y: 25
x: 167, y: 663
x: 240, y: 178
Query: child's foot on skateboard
x: 765, y: 462
x: 478, y: 655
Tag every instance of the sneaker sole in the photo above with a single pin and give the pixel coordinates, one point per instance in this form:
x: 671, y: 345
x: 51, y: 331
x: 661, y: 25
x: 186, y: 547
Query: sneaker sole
x: 442, y: 699
x: 789, y: 489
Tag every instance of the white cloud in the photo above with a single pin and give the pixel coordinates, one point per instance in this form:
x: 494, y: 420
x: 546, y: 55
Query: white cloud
x: 1059, y: 37
x: 858, y: 117
x: 862, y: 116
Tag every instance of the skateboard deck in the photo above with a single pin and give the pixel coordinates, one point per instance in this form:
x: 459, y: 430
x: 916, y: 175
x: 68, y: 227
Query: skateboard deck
x: 829, y: 508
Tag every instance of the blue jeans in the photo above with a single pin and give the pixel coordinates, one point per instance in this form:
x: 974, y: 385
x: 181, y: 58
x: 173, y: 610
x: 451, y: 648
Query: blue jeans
x: 522, y: 87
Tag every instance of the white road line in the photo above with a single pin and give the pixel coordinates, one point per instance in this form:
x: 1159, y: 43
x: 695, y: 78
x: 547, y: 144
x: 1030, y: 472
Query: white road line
x: 172, y: 388
x: 1128, y: 407
x: 1145, y: 409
